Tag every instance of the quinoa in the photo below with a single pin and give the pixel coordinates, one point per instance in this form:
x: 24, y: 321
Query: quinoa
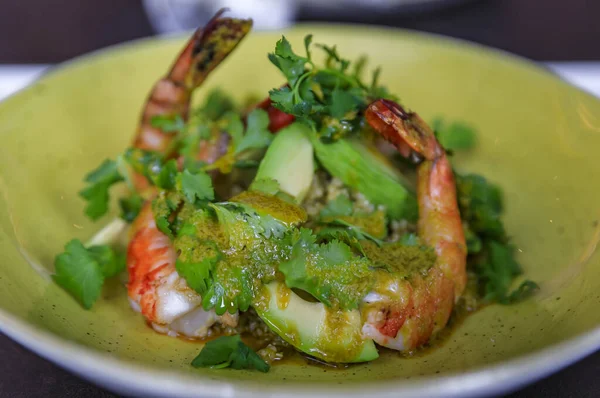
x: 398, y: 228
x: 267, y: 343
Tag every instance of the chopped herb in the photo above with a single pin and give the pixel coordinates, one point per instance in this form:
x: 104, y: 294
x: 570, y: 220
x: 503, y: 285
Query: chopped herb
x: 497, y: 270
x: 455, y: 136
x: 480, y: 205
x: 410, y: 240
x: 81, y: 272
x: 257, y: 134
x: 229, y: 352
x: 265, y: 185
x: 163, y: 207
x: 168, y: 123
x: 96, y: 193
x: 130, y: 207
x: 111, y: 262
x: 356, y: 231
x: 320, y: 95
x: 196, y: 186
x: 166, y: 177
x: 490, y: 254
x: 340, y: 206
x: 330, y: 272
x: 197, y: 262
x: 217, y: 103
x: 246, y: 164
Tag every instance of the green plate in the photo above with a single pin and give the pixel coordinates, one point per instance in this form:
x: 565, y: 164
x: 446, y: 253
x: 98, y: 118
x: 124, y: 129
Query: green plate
x: 539, y: 139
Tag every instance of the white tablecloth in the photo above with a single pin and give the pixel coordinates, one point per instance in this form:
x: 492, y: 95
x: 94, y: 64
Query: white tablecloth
x: 583, y: 74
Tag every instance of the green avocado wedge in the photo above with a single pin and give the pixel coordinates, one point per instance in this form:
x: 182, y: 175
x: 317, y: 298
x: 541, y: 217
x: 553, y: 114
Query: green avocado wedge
x: 369, y: 174
x: 289, y: 161
x: 333, y: 336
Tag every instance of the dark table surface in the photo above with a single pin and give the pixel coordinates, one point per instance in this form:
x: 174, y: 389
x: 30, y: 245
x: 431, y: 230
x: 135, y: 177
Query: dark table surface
x: 38, y: 31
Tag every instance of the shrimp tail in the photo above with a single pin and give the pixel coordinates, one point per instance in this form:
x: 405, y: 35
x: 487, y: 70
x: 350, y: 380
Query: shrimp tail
x: 425, y: 302
x: 170, y: 96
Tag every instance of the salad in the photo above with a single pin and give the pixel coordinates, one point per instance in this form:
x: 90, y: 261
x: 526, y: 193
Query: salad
x: 326, y: 219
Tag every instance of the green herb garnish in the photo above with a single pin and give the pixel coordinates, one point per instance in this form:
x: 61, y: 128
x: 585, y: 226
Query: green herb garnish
x: 454, y: 136
x: 229, y: 352
x: 491, y: 255
x: 330, y: 272
x: 81, y: 271
x: 316, y: 94
x: 96, y: 193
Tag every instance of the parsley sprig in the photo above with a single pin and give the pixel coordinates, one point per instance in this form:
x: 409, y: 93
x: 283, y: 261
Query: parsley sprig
x: 328, y: 96
x: 328, y: 271
x: 491, y: 255
x: 81, y: 271
x: 229, y: 352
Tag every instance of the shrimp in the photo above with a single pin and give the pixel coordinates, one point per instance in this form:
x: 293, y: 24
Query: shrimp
x: 404, y: 313
x: 155, y: 288
x: 171, y: 95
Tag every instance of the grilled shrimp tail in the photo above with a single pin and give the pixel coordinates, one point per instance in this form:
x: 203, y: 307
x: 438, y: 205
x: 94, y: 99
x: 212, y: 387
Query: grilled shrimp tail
x: 205, y: 50
x: 422, y: 304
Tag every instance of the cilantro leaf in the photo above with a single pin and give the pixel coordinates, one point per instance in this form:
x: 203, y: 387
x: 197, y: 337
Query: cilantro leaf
x: 246, y: 164
x: 455, y: 136
x: 168, y: 123
x: 166, y: 177
x: 222, y: 297
x: 329, y: 272
x: 307, y: 41
x: 289, y: 63
x: 328, y: 234
x: 282, y: 99
x: 356, y: 231
x: 79, y: 273
x: 229, y: 351
x: 526, y: 289
x: 152, y: 166
x: 163, y: 207
x: 111, y: 262
x: 474, y: 242
x: 332, y: 53
x: 164, y: 226
x: 336, y: 252
x: 490, y: 255
x: 130, y: 207
x: 283, y: 48
x: 410, y: 240
x: 340, y: 206
x: 197, y: 262
x: 342, y: 102
x: 234, y: 127
x: 480, y: 205
x: 217, y: 103
x: 96, y: 193
x: 320, y: 96
x: 265, y: 185
x: 257, y: 133
x: 497, y: 271
x: 196, y: 186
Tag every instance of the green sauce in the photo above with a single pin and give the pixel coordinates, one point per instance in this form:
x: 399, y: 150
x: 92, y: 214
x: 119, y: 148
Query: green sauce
x: 399, y: 260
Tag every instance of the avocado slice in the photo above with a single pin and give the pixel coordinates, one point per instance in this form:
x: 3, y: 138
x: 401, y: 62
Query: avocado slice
x: 311, y: 327
x: 369, y: 173
x: 289, y: 161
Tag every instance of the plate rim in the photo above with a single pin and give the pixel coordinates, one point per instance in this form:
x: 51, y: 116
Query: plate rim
x: 125, y: 376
